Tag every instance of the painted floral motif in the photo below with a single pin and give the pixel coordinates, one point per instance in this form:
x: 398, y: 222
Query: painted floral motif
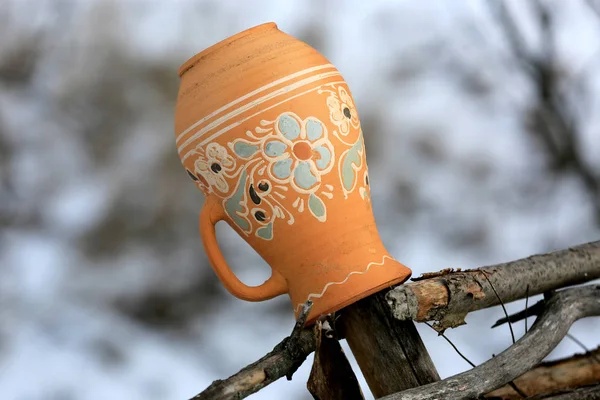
x: 342, y: 111
x: 350, y: 163
x: 288, y: 153
x: 300, y: 153
x: 212, y: 167
x: 344, y: 117
x: 277, y: 170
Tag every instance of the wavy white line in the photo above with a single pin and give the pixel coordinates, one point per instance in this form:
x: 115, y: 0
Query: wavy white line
x: 319, y: 295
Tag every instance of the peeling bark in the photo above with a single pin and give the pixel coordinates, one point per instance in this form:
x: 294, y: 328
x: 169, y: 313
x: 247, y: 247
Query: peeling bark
x: 583, y: 393
x: 550, y: 377
x: 449, y: 296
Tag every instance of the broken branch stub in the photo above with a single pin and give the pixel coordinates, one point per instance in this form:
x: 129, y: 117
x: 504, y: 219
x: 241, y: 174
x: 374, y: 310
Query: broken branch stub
x: 448, y: 297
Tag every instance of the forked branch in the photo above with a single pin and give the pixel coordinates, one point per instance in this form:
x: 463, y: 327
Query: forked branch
x: 562, y: 310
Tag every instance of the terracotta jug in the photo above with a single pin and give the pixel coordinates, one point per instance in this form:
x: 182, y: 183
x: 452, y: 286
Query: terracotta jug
x: 267, y: 129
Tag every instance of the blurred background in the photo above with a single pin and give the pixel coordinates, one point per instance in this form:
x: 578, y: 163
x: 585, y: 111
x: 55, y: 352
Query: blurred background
x: 481, y: 122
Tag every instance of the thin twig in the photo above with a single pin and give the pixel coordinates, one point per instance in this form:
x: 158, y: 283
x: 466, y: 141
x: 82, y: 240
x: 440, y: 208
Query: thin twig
x: 554, y: 115
x: 514, y: 387
x: 452, y: 344
x: 583, y: 346
x: 512, y: 333
x: 536, y: 309
x: 526, y: 306
x: 578, y: 342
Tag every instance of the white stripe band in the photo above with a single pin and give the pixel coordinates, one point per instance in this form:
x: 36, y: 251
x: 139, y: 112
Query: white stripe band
x: 254, y: 92
x: 254, y: 103
x: 227, y: 128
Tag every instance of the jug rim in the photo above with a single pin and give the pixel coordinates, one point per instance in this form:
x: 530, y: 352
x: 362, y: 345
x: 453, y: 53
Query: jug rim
x: 196, y: 58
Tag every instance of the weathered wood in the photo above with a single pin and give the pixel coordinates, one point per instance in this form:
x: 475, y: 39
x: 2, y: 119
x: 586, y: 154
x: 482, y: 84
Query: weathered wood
x: 560, y: 375
x: 331, y: 376
x: 449, y: 296
x: 579, y: 264
x: 389, y: 352
x: 562, y: 310
x: 584, y: 393
x: 284, y: 360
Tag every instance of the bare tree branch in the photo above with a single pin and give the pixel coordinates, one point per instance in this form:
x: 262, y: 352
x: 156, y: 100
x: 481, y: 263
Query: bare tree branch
x: 449, y: 297
x: 551, y: 377
x: 513, y: 34
x: 446, y: 297
x: 562, y: 310
x: 552, y: 115
x: 284, y: 360
x: 584, y: 393
x: 594, y: 6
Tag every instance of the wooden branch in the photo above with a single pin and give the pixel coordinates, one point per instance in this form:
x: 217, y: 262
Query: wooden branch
x: 551, y: 377
x: 390, y: 353
x: 448, y: 297
x: 284, y: 360
x: 584, y: 393
x: 331, y: 376
x: 562, y: 310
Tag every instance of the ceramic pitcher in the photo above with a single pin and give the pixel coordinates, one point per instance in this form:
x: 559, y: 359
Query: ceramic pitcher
x: 267, y: 129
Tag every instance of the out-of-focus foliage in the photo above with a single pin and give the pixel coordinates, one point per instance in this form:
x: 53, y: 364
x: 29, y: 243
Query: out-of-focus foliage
x: 482, y: 139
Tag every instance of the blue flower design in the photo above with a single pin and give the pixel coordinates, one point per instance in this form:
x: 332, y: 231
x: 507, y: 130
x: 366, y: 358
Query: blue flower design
x: 299, y: 153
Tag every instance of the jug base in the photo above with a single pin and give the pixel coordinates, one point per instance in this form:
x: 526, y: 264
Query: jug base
x: 356, y: 286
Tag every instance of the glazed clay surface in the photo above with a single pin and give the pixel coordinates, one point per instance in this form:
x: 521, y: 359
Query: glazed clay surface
x: 267, y: 129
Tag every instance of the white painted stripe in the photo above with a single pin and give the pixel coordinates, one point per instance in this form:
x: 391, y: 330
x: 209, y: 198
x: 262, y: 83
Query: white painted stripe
x: 255, y: 103
x: 254, y: 92
x: 227, y: 128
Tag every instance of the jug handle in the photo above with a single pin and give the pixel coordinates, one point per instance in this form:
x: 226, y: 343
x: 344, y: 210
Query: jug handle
x: 212, y: 212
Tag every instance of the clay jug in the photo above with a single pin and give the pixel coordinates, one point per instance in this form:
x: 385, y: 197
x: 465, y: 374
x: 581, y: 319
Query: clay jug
x: 267, y: 129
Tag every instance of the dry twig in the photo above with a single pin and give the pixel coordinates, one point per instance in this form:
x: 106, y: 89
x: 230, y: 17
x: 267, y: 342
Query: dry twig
x: 284, y: 360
